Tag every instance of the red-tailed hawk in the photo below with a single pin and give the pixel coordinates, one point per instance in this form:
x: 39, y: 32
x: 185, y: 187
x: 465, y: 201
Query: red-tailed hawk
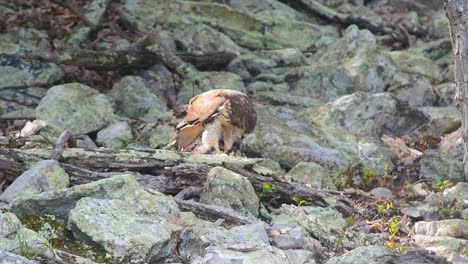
x: 213, y: 115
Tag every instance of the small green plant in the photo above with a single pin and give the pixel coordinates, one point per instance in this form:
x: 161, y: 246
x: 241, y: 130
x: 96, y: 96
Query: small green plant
x: 266, y: 189
x: 383, y: 208
x: 450, y: 211
x: 394, y: 225
x: 392, y: 245
x: 350, y: 220
x: 368, y: 175
x: 441, y: 184
x: 28, y: 249
x: 298, y: 201
x: 465, y: 251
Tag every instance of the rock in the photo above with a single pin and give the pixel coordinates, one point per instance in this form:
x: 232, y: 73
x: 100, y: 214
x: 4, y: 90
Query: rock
x: 313, y: 174
x: 364, y: 255
x: 416, y: 256
x: 325, y: 224
x: 243, y: 28
x: 20, y: 40
x: 422, y: 189
x: 244, y: 253
x: 125, y: 228
x: 117, y: 135
x: 19, y: 98
x: 458, y: 192
x: 355, y: 63
x: 43, y: 176
x: 294, y: 237
x: 441, y: 245
x: 300, y: 256
x: 251, y: 233
x: 95, y: 11
x: 226, y: 80
x: 203, y: 38
x: 364, y: 114
x: 269, y: 10
x: 420, y: 211
x: 161, y: 136
x: 77, y: 107
x: 438, y: 166
x: 15, y: 238
x: 382, y: 192
x: 456, y: 228
x: 133, y: 97
x: 452, y: 145
x: 200, y: 235
x: 446, y: 93
x: 16, y: 72
x: 9, y: 258
x: 442, y: 120
x: 231, y: 190
x: 121, y: 187
x: 31, y: 128
x: 282, y: 135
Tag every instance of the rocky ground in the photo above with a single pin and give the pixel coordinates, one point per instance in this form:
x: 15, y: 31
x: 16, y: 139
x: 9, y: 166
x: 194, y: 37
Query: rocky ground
x: 356, y: 157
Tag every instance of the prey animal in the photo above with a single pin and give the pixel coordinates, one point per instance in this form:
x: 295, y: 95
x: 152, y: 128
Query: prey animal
x: 214, y: 115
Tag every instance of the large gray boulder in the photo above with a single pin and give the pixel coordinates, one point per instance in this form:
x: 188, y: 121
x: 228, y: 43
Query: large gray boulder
x: 365, y: 114
x: 43, y: 176
x: 117, y: 135
x: 290, y: 137
x: 124, y: 229
x: 364, y: 255
x: 228, y: 189
x: 16, y: 72
x: 439, y: 166
x: 457, y: 228
x: 134, y: 97
x: 243, y: 28
x: 203, y: 38
x: 446, y: 246
x: 77, y: 107
x: 244, y: 253
x: 121, y: 187
x: 312, y: 174
x: 325, y: 224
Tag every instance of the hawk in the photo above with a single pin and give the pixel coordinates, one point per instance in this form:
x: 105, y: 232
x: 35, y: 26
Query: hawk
x: 215, y: 114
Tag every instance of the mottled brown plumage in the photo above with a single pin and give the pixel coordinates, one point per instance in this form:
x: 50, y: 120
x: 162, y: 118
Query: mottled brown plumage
x: 215, y: 114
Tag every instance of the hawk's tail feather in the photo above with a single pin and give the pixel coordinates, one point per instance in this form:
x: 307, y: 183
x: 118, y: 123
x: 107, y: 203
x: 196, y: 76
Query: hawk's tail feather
x: 188, y: 134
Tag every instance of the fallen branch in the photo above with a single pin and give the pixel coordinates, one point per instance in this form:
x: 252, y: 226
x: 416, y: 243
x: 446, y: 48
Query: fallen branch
x: 213, y: 212
x: 166, y: 171
x: 66, y: 136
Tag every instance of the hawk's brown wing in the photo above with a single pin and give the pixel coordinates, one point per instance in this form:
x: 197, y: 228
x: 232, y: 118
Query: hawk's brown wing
x: 201, y: 108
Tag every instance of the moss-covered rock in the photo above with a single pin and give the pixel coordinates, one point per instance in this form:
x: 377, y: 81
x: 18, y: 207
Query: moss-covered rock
x: 43, y: 176
x: 138, y: 233
x: 228, y: 189
x: 77, y: 107
x: 134, y: 98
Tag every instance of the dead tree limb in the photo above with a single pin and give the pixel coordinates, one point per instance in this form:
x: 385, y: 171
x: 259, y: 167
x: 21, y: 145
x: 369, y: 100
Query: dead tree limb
x: 457, y: 11
x: 66, y: 136
x: 213, y: 212
x: 166, y: 171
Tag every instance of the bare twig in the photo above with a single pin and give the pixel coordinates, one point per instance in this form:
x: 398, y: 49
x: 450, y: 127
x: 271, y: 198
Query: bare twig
x: 213, y: 212
x: 66, y: 136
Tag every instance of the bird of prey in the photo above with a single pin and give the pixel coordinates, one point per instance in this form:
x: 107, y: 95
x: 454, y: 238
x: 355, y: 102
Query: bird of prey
x: 215, y: 114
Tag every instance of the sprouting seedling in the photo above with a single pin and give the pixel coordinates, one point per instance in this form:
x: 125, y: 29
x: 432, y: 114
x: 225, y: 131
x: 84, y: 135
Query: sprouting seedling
x: 298, y: 201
